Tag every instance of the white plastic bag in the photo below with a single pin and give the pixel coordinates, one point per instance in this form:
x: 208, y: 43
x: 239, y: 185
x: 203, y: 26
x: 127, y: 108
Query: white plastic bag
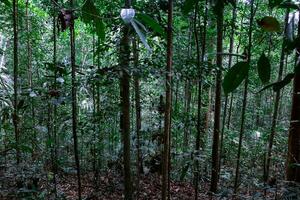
x: 127, y: 16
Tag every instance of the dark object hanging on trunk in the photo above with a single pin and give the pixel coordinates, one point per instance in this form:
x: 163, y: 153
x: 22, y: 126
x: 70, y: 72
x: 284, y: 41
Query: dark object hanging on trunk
x: 66, y: 19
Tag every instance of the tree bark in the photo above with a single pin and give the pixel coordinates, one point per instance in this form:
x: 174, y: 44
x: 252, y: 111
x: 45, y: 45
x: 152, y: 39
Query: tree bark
x: 74, y: 101
x: 216, y: 131
x: 16, y: 74
x: 138, y: 114
x: 125, y: 106
x: 167, y: 125
x: 293, y: 160
x: 200, y: 59
x: 276, y: 104
x: 244, y: 107
x: 226, y: 98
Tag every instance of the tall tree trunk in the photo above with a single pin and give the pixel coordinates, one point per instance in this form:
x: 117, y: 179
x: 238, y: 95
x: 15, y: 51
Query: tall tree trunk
x: 229, y: 65
x: 187, y: 106
x: 30, y: 86
x: 200, y: 58
x: 242, y: 129
x: 139, y: 161
x: 94, y: 118
x: 167, y: 128
x: 237, y: 59
x: 125, y: 106
x: 16, y: 63
x: 276, y: 104
x: 216, y: 131
x: 74, y: 101
x: 55, y: 145
x: 293, y: 160
x: 98, y: 101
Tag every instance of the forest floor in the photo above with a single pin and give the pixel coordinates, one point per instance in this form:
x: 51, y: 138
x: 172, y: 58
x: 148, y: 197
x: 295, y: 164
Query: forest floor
x: 111, y: 188
x: 15, y: 185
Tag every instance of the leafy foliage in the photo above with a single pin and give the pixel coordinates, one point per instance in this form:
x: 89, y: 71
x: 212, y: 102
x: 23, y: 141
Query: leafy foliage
x: 279, y: 85
x: 91, y: 15
x: 188, y: 6
x: 6, y: 2
x: 269, y: 24
x: 274, y: 3
x: 264, y: 69
x: 151, y: 23
x: 235, y: 76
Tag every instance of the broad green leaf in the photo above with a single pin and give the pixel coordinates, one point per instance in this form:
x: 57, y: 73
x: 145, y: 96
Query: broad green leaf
x: 274, y: 3
x: 269, y: 24
x: 280, y: 84
x: 188, y: 6
x: 151, y: 23
x: 89, y: 11
x: 100, y: 29
x: 264, y: 69
x: 235, y: 76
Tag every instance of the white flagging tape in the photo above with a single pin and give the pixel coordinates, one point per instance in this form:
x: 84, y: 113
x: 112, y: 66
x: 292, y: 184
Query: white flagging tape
x: 127, y: 16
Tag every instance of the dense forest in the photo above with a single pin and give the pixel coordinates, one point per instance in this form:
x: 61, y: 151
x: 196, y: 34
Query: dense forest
x: 149, y: 99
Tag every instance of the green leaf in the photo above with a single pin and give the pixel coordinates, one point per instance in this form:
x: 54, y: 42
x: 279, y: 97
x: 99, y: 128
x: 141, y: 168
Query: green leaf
x: 6, y: 2
x: 269, y: 24
x: 188, y: 6
x: 274, y: 3
x: 289, y: 5
x: 100, y: 29
x: 49, y: 142
x: 26, y: 149
x: 151, y: 23
x: 90, y: 15
x: 264, y: 69
x: 280, y: 84
x: 235, y: 76
x: 89, y: 11
x: 295, y: 165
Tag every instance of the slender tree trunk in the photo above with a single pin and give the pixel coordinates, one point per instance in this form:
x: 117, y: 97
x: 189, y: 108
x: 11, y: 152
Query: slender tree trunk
x: 16, y: 67
x: 216, y: 131
x: 167, y: 128
x: 229, y: 65
x: 242, y: 129
x: 125, y: 106
x: 276, y: 104
x: 55, y: 145
x: 29, y: 72
x: 98, y: 101
x: 138, y: 115
x: 74, y: 101
x: 176, y: 96
x: 232, y: 94
x: 200, y: 58
x: 293, y: 160
x: 187, y: 106
x: 94, y: 119
x: 230, y: 111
